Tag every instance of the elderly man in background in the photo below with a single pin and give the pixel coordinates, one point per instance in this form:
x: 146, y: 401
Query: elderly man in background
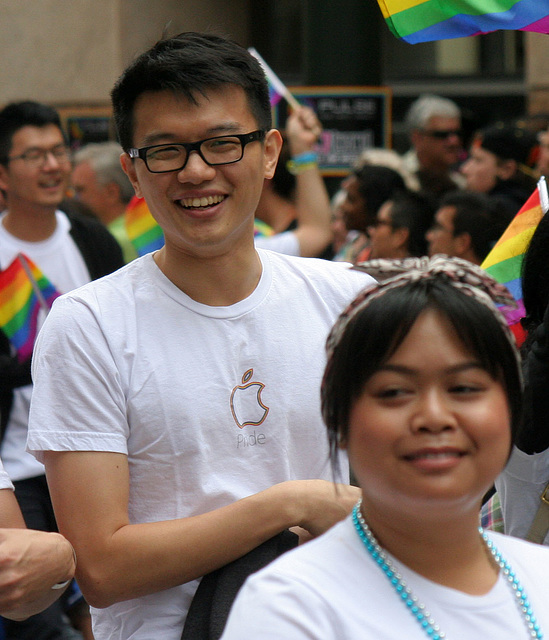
x: 434, y: 125
x: 100, y: 183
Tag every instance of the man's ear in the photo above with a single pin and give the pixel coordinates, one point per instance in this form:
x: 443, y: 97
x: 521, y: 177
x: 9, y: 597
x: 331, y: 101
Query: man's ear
x: 112, y: 191
x: 129, y: 169
x: 506, y: 169
x: 273, y: 145
x: 415, y: 136
x: 3, y: 177
x: 400, y: 237
x: 462, y: 244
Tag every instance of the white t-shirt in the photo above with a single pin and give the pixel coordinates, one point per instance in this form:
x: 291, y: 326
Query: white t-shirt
x: 285, y: 242
x: 520, y: 486
x: 5, y: 482
x: 331, y: 589
x: 60, y: 261
x: 211, y: 404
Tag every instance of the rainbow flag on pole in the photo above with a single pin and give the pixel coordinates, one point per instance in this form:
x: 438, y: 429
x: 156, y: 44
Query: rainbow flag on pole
x: 143, y: 231
x: 427, y: 20
x: 24, y: 290
x: 504, y: 262
x: 277, y: 89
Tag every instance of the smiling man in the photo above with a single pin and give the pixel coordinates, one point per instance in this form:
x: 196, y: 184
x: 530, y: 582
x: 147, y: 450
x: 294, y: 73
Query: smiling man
x: 434, y: 125
x: 194, y: 372
x: 34, y: 172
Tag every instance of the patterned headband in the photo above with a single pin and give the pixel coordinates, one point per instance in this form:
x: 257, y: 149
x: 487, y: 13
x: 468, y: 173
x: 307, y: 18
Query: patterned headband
x: 391, y: 274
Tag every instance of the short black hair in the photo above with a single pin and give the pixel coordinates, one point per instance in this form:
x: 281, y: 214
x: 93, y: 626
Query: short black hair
x: 535, y: 276
x: 478, y: 215
x: 376, y: 332
x: 377, y: 184
x: 189, y: 64
x: 16, y: 115
x: 415, y: 212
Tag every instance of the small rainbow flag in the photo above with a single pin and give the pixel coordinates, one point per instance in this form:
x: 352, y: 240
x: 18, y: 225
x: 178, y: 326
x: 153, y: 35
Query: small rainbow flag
x: 504, y: 262
x: 143, y: 231
x: 262, y: 228
x: 426, y: 20
x: 277, y: 89
x: 24, y: 290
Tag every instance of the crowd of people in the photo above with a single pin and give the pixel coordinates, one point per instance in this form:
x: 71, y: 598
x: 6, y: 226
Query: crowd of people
x: 347, y: 375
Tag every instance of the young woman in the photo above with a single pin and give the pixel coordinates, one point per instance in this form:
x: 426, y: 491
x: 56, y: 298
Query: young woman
x: 423, y: 390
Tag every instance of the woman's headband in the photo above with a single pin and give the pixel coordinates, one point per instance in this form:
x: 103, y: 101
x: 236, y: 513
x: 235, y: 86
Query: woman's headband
x: 392, y: 274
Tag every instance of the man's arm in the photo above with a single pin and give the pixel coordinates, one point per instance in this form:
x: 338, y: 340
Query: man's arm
x: 119, y: 561
x: 31, y: 562
x: 311, y: 196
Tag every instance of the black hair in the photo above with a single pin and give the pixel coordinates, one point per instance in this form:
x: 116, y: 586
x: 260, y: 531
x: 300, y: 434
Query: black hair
x: 535, y: 276
x: 376, y: 332
x: 480, y: 216
x: 415, y: 212
x: 17, y: 115
x: 377, y: 184
x: 189, y: 64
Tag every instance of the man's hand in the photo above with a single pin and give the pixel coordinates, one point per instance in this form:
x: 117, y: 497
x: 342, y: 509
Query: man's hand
x: 303, y: 129
x: 31, y: 562
x: 320, y: 504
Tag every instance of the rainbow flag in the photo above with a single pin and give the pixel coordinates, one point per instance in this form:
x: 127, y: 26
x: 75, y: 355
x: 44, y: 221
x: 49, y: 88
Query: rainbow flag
x: 427, y: 20
x: 277, y: 89
x: 143, y: 231
x: 262, y: 228
x: 24, y: 290
x: 504, y: 262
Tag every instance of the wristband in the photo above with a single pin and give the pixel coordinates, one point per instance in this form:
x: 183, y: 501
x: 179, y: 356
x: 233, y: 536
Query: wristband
x: 62, y: 585
x: 302, y: 162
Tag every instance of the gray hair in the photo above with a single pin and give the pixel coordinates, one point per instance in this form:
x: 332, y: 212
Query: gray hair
x: 427, y: 106
x: 104, y: 159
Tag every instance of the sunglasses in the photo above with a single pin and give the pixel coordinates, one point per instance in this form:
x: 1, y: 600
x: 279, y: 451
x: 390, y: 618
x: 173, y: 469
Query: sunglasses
x: 442, y: 135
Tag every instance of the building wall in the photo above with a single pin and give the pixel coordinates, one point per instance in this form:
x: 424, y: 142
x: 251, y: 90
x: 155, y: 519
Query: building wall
x: 69, y: 52
x: 537, y: 72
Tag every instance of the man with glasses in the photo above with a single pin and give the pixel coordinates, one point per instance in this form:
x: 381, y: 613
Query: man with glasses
x: 193, y: 372
x: 434, y: 125
x: 34, y: 170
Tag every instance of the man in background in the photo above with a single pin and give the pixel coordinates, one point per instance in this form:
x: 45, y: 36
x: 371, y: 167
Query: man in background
x: 467, y: 225
x: 69, y: 251
x: 100, y: 183
x: 434, y: 125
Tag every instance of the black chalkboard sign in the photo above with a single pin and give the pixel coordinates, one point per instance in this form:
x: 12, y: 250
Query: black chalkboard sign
x: 87, y: 124
x: 354, y: 119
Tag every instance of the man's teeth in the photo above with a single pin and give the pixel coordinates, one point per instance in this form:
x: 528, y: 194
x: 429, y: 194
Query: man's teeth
x: 201, y: 202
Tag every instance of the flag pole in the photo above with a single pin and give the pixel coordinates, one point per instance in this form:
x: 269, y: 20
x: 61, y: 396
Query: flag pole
x: 281, y: 88
x: 42, y: 301
x: 543, y: 194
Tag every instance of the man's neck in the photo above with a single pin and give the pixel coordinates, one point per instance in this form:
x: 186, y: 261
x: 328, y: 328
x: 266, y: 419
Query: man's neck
x: 30, y: 225
x: 217, y: 282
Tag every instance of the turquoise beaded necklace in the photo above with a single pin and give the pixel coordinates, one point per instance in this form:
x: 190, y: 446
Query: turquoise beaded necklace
x: 417, y: 609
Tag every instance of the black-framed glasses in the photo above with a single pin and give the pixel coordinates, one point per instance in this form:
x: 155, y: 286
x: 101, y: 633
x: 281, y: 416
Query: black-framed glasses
x: 161, y: 158
x: 37, y: 157
x: 443, y: 134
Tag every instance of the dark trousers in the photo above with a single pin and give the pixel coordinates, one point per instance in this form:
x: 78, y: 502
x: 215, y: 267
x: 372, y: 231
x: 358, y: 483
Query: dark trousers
x: 34, y: 499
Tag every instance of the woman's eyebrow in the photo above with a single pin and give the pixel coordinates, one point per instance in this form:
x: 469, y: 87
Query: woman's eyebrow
x: 462, y: 366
